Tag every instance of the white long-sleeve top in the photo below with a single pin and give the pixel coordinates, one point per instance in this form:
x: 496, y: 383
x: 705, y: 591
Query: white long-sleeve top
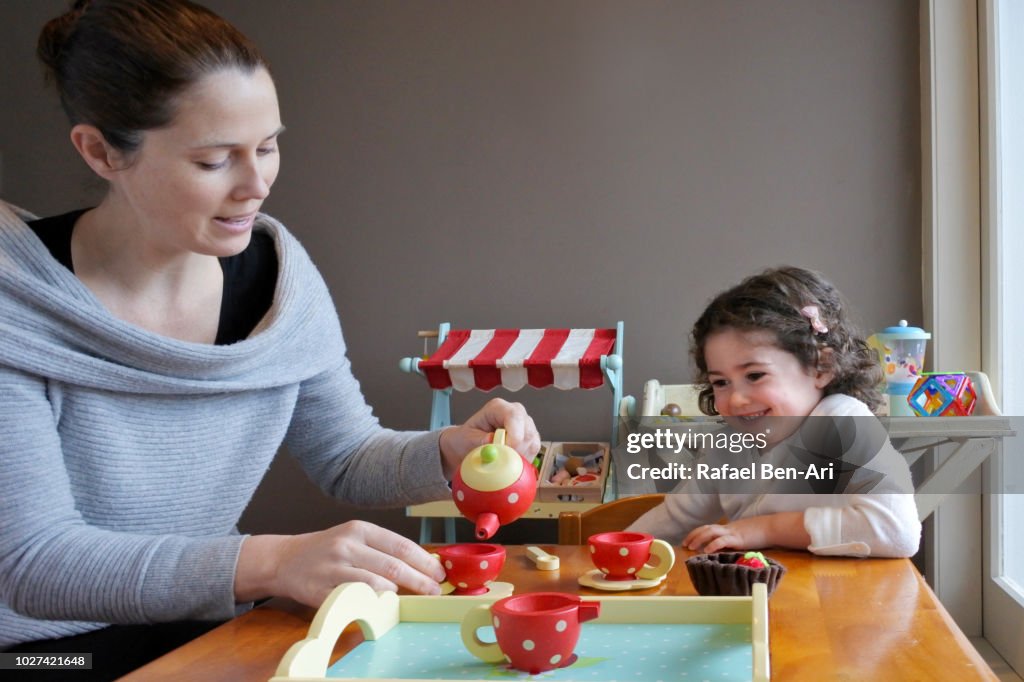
x: 875, y: 515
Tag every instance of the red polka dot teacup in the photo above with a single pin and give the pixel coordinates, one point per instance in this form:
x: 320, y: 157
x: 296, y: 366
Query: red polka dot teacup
x: 470, y: 567
x: 622, y: 555
x: 535, y: 632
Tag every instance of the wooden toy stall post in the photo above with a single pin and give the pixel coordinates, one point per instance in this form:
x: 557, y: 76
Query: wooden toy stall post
x: 483, y: 359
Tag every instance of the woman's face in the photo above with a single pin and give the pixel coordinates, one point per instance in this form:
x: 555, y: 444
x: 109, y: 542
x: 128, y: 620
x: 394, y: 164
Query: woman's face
x: 197, y: 184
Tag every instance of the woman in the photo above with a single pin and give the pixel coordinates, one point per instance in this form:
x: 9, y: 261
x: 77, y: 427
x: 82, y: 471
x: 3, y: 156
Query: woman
x: 158, y: 349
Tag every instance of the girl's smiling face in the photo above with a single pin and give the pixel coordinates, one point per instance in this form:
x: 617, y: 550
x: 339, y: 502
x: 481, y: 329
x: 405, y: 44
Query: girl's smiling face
x: 752, y: 379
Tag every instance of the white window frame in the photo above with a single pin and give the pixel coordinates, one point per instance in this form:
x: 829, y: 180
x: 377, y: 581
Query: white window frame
x: 951, y: 267
x: 1002, y: 601
x: 963, y: 272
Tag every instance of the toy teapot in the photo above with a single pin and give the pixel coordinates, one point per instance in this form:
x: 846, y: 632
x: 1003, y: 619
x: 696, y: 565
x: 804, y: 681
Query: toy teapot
x: 495, y: 485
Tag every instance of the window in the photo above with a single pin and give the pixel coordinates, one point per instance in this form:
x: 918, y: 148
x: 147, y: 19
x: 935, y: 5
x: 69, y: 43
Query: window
x: 1002, y: 30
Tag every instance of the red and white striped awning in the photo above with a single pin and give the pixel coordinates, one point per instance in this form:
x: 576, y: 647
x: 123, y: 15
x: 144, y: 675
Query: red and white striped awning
x: 512, y: 358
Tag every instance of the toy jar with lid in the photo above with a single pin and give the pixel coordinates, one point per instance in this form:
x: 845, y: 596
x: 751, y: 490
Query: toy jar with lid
x: 901, y: 352
x: 495, y: 485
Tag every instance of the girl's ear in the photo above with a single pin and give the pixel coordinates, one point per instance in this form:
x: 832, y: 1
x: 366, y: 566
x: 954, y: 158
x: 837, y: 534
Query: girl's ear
x: 93, y: 147
x: 824, y: 372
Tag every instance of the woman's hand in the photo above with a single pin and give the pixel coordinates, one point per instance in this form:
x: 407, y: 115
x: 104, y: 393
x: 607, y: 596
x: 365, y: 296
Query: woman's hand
x: 308, y: 567
x: 520, y: 433
x: 785, y: 529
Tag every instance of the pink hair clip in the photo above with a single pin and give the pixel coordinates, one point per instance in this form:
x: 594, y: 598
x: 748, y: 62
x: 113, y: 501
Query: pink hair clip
x: 812, y: 314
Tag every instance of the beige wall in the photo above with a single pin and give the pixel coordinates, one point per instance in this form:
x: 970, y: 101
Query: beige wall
x: 554, y: 163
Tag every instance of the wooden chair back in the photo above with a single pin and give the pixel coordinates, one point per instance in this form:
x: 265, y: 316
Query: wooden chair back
x: 575, y: 527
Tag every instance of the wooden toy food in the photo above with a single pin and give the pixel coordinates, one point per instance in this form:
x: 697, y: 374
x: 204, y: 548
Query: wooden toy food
x: 671, y: 410
x: 733, y: 573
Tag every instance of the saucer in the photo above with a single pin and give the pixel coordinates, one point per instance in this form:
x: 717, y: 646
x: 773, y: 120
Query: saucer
x: 595, y: 579
x: 494, y: 589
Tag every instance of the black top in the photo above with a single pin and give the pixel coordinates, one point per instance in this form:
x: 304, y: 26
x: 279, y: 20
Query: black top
x: 249, y: 277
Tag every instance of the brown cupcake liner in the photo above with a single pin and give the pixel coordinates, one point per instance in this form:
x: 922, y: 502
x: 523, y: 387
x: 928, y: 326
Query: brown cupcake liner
x: 719, y: 574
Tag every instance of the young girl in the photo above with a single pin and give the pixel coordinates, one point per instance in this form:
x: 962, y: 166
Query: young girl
x: 779, y: 345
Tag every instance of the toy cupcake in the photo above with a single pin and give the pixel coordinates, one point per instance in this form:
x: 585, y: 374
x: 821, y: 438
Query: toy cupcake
x: 733, y: 573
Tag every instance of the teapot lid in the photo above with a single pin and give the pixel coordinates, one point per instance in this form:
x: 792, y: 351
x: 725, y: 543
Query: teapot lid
x: 903, y: 331
x: 493, y: 466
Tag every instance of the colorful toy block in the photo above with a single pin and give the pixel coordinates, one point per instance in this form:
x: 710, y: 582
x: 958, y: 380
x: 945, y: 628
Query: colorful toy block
x: 951, y: 394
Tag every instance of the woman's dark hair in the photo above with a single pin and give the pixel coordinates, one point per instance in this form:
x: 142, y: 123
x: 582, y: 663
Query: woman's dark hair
x: 119, y: 64
x: 771, y: 301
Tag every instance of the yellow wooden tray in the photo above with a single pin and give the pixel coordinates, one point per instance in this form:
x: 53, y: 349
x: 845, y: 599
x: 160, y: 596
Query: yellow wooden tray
x: 379, y: 613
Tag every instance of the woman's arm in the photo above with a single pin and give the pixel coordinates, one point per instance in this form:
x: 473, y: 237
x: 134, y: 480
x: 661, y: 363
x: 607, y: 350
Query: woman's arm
x: 343, y: 447
x: 307, y: 567
x: 55, y: 565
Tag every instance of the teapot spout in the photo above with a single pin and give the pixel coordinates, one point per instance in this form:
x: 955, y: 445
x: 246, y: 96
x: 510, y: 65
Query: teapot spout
x: 486, y: 525
x: 589, y: 610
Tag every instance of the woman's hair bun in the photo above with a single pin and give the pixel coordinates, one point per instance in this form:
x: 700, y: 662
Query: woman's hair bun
x: 119, y: 65
x: 55, y: 34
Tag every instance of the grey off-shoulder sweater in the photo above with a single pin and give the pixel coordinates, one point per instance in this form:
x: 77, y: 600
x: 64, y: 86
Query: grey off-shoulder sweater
x: 126, y: 458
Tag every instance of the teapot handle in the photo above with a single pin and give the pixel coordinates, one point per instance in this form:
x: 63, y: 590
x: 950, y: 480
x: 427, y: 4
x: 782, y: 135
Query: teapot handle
x: 489, y: 452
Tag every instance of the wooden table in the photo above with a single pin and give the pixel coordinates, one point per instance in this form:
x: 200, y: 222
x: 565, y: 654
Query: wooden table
x: 830, y: 619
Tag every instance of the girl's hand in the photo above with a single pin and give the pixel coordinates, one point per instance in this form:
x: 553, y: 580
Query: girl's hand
x: 785, y: 529
x: 308, y: 567
x: 742, y: 534
x: 520, y: 433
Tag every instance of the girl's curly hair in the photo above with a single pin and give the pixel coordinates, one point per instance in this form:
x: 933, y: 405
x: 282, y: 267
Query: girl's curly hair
x: 771, y: 301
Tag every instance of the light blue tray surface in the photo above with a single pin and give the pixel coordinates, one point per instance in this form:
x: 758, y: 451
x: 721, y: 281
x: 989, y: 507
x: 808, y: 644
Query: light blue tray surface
x: 607, y: 652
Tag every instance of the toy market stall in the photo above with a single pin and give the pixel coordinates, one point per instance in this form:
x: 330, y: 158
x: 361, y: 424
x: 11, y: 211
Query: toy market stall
x: 572, y: 476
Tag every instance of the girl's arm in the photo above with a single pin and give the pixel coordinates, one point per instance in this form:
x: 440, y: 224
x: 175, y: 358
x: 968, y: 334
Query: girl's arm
x: 680, y: 512
x: 784, y: 529
x: 881, y: 525
x: 878, y: 519
x: 876, y: 524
